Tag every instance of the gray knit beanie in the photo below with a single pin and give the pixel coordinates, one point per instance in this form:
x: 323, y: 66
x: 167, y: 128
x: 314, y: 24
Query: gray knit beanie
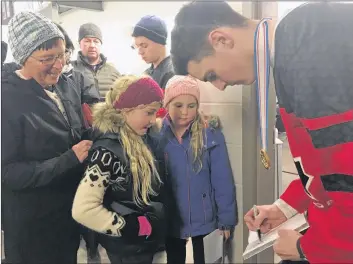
x: 89, y: 30
x: 27, y: 31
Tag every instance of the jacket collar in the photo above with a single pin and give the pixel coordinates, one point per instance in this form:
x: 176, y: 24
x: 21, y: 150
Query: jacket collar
x: 84, y: 60
x: 167, y: 127
x: 14, y: 79
x: 164, y: 61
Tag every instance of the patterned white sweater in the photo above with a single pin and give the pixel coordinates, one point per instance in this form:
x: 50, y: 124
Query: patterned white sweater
x: 104, y: 169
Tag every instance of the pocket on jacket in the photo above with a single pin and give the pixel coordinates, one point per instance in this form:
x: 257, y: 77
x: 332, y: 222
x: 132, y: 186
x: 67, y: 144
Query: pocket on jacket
x: 207, y: 207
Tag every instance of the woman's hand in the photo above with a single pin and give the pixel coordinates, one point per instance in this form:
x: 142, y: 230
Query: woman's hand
x: 81, y: 149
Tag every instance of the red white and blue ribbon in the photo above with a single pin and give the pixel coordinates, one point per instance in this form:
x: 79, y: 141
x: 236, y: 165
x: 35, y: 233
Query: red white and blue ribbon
x: 262, y: 78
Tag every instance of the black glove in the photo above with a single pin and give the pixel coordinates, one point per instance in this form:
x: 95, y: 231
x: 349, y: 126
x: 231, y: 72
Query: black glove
x: 156, y: 217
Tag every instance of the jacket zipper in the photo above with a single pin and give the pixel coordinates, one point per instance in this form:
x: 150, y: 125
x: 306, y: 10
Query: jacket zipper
x: 94, y: 72
x: 96, y: 80
x: 204, y: 207
x: 188, y: 179
x: 89, y: 67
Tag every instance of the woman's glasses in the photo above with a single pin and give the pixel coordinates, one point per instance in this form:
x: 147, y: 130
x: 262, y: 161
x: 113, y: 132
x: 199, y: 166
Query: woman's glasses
x: 51, y: 60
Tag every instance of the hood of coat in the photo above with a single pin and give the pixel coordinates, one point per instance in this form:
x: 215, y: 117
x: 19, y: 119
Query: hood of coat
x: 107, y: 121
x: 106, y: 118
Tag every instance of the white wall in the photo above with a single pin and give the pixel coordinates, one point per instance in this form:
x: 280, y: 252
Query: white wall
x: 285, y: 7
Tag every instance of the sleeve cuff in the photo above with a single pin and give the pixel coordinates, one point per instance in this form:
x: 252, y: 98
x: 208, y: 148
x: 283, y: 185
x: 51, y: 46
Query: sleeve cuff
x: 286, y: 209
x: 300, y: 251
x: 73, y: 160
x: 225, y: 227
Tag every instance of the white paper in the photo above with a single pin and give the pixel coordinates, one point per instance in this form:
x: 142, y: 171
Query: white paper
x: 255, y: 246
x: 213, y: 245
x: 252, y: 237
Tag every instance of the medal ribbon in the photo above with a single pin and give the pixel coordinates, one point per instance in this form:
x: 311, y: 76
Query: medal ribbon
x: 262, y: 72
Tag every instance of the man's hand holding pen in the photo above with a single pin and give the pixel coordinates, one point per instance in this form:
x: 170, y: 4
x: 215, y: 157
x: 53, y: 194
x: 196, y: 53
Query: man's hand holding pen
x: 256, y: 213
x: 267, y: 217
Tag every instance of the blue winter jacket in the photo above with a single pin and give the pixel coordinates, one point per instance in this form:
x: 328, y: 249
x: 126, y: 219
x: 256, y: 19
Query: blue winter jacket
x: 203, y: 201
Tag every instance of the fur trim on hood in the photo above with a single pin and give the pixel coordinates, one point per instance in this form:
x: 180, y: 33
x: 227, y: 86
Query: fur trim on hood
x: 106, y: 118
x: 212, y: 121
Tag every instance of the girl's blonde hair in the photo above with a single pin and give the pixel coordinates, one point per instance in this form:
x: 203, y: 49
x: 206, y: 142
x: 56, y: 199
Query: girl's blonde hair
x: 197, y: 141
x: 142, y: 164
x: 198, y: 136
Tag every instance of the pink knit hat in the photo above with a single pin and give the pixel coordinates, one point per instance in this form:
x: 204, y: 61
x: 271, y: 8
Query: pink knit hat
x: 181, y: 85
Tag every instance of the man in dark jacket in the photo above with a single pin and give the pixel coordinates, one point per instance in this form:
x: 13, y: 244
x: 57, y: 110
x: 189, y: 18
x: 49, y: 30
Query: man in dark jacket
x: 42, y: 146
x: 89, y: 93
x: 150, y: 39
x: 91, y: 62
x: 312, y: 50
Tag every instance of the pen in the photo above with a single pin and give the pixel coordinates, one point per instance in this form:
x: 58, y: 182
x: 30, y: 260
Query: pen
x: 256, y: 213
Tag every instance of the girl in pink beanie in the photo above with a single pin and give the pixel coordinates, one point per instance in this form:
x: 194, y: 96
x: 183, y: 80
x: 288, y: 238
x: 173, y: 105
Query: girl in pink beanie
x: 198, y: 172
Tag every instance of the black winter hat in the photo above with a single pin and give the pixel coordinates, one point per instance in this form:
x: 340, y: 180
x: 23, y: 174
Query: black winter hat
x: 153, y: 28
x: 89, y: 30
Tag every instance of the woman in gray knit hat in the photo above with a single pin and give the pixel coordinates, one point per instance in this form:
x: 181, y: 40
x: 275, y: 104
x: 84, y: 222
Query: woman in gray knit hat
x: 42, y: 146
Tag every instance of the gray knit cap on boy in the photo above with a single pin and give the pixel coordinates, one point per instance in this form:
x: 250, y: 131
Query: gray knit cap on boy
x: 89, y: 30
x: 27, y: 31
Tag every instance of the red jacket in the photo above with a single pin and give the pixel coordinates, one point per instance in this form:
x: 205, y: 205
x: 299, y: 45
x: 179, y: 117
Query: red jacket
x: 313, y: 74
x: 327, y: 177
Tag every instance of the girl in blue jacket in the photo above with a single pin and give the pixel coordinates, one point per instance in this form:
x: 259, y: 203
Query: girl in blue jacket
x: 198, y: 171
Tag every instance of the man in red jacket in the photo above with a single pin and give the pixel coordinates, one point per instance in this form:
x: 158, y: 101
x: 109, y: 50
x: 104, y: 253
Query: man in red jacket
x: 312, y: 61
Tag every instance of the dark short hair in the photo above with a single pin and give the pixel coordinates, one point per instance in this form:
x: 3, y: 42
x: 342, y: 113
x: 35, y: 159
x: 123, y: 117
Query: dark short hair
x: 193, y: 23
x: 69, y: 44
x: 49, y: 44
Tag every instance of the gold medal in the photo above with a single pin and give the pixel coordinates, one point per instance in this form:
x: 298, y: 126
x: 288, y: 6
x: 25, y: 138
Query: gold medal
x: 262, y: 70
x: 265, y: 159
